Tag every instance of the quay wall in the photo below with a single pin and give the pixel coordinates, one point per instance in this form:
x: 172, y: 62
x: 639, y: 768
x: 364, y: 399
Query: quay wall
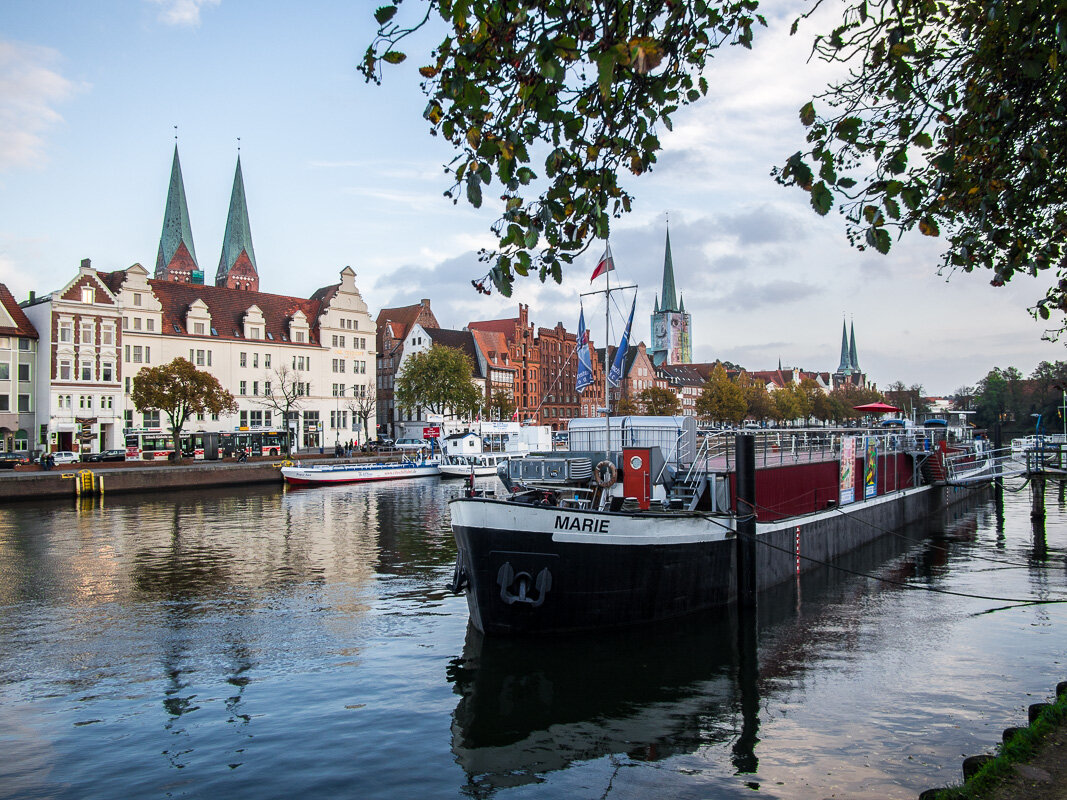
x: 825, y: 536
x: 60, y: 482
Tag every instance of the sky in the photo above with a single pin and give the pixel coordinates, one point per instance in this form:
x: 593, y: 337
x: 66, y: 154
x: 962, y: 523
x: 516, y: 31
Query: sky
x: 340, y: 173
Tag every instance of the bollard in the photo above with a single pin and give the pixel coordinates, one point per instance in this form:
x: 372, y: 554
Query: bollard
x: 972, y: 764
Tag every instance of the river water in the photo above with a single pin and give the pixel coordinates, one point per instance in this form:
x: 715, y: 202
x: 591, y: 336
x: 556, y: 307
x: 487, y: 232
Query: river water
x: 262, y: 644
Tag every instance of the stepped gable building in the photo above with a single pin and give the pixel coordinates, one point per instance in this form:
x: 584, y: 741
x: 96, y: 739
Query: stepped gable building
x: 18, y: 362
x: 392, y: 328
x: 671, y: 324
x: 545, y: 367
x: 494, y: 361
x: 78, y: 385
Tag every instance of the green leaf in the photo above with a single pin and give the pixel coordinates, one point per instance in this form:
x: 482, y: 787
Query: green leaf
x: 822, y: 199
x: 922, y: 140
x: 807, y: 115
x: 393, y: 56
x: 606, y: 72
x: 878, y: 238
x: 474, y: 191
x: 384, y: 14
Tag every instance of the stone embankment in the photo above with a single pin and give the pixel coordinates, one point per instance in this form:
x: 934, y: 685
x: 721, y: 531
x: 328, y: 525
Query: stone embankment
x: 1031, y: 763
x: 32, y: 483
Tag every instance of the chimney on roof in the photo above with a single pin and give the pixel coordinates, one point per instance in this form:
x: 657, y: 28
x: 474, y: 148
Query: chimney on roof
x: 425, y: 302
x: 85, y: 264
x: 33, y: 296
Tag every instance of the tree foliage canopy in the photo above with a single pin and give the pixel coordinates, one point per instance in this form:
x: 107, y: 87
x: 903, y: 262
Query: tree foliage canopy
x: 722, y: 399
x: 590, y: 81
x: 658, y: 402
x: 439, y: 380
x: 951, y: 122
x: 180, y: 390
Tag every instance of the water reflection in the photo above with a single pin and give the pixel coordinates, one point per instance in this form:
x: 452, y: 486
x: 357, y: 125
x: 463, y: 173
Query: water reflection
x: 530, y: 707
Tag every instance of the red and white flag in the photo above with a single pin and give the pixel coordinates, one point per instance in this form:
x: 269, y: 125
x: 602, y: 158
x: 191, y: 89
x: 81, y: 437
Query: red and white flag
x: 606, y: 264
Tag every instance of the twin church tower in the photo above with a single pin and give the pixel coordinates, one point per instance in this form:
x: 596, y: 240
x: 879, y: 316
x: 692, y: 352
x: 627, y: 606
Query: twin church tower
x: 176, y: 260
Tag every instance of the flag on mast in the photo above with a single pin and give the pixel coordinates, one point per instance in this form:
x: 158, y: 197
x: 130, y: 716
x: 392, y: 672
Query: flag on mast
x: 585, y: 362
x: 615, y: 375
x: 605, y: 265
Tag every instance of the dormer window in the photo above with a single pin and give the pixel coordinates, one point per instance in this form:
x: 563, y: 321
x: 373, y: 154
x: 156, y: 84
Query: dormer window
x: 88, y: 295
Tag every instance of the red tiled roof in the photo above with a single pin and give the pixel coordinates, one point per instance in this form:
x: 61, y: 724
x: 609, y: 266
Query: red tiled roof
x: 404, y: 317
x: 504, y: 326
x: 493, y: 346
x: 23, y: 326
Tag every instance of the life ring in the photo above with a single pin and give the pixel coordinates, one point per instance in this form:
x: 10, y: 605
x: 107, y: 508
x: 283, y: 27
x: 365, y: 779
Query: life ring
x: 605, y: 474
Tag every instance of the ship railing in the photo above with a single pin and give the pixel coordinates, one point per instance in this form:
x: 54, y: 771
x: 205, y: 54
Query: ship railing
x: 783, y: 446
x: 984, y: 464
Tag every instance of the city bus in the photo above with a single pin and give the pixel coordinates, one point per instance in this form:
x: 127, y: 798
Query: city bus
x: 255, y: 441
x: 148, y: 444
x: 155, y: 444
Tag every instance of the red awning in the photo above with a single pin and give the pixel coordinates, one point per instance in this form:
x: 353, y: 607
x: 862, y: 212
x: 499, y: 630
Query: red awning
x: 876, y: 408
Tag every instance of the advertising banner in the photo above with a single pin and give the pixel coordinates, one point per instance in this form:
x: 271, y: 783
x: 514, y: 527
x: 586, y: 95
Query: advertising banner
x: 847, y: 484
x: 870, y: 470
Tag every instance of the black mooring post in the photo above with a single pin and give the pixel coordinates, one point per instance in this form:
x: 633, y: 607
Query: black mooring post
x: 745, y: 446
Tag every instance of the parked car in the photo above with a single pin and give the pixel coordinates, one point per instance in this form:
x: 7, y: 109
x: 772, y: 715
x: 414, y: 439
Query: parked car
x: 63, y: 457
x: 12, y: 460
x: 412, y: 444
x: 106, y: 455
x: 381, y: 443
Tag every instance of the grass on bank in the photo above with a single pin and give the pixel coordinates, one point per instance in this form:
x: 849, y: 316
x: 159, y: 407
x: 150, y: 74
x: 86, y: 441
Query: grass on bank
x: 1020, y: 749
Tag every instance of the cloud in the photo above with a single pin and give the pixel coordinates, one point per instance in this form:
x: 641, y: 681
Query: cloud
x: 29, y: 91
x: 182, y: 12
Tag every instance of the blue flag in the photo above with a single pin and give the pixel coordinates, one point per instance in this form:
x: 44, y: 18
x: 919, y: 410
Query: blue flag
x: 585, y: 362
x: 615, y: 375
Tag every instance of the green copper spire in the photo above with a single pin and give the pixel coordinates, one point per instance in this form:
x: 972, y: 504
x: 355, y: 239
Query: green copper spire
x: 238, y: 236
x: 670, y: 302
x: 176, y: 227
x: 846, y: 360
x: 853, y: 360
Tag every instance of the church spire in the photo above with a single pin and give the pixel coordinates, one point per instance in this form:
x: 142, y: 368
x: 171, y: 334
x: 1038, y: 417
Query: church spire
x: 853, y: 359
x: 670, y: 302
x: 176, y: 259
x: 237, y: 266
x: 846, y: 360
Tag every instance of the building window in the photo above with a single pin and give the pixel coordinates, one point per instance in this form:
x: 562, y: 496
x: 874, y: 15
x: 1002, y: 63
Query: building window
x: 151, y: 418
x: 87, y: 370
x: 243, y: 417
x: 136, y: 299
x: 24, y: 372
x: 255, y: 388
x: 24, y: 402
x: 87, y: 332
x: 107, y: 335
x: 243, y: 388
x: 255, y: 361
x: 198, y: 328
x: 5, y: 402
x: 107, y: 371
x: 66, y: 331
x: 299, y: 337
x: 150, y: 324
x: 137, y: 323
x: 5, y: 371
x: 128, y: 418
x: 255, y: 418
x: 138, y: 354
x: 88, y: 294
x: 244, y: 359
x: 24, y: 344
x: 266, y: 360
